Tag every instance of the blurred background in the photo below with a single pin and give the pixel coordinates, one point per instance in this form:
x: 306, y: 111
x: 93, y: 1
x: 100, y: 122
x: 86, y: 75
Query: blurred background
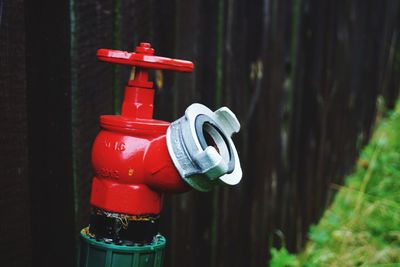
x: 306, y: 79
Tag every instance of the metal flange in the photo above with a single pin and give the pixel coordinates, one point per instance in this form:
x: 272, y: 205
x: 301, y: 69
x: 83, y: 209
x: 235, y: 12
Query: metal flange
x: 202, y: 149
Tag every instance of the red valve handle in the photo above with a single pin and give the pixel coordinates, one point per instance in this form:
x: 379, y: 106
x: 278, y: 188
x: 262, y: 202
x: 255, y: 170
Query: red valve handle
x: 138, y: 100
x: 144, y: 57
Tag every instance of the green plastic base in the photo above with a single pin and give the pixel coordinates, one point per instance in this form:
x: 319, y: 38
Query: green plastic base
x: 95, y: 253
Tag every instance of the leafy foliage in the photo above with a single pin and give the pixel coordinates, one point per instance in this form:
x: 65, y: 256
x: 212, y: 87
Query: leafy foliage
x: 362, y: 227
x: 282, y: 258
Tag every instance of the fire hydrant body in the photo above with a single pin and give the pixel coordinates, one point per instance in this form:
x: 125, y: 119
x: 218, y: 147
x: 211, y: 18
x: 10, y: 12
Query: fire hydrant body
x: 136, y: 159
x: 132, y: 167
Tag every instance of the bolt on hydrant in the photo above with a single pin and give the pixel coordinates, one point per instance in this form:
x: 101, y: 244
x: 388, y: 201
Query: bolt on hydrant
x: 136, y: 159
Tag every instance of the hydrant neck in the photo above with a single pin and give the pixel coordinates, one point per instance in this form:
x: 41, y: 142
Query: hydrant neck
x: 139, y: 93
x: 138, y: 103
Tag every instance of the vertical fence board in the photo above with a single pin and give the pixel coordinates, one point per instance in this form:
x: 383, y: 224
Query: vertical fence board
x: 239, y: 54
x: 15, y: 230
x: 92, y: 91
x: 49, y: 134
x: 184, y: 211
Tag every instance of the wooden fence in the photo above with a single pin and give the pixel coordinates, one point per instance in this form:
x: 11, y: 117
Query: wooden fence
x: 303, y: 77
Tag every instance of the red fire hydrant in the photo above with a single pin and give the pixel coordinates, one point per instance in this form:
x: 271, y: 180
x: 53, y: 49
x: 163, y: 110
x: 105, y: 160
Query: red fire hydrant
x: 137, y: 158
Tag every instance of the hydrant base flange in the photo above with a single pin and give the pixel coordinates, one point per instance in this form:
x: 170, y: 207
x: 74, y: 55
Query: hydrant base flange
x: 97, y: 253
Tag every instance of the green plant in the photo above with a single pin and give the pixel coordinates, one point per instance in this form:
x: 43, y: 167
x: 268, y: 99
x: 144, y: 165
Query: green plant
x: 362, y: 226
x: 282, y: 258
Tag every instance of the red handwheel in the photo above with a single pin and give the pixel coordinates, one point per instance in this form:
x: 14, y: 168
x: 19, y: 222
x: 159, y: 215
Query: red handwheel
x: 138, y: 103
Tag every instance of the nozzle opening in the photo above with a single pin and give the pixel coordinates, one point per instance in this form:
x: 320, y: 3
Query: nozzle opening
x: 213, y: 138
x: 209, y: 134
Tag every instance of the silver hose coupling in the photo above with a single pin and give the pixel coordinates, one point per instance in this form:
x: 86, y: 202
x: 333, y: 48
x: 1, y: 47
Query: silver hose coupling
x: 202, y: 149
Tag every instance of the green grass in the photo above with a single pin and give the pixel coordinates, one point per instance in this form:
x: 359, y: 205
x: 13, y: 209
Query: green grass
x: 362, y: 226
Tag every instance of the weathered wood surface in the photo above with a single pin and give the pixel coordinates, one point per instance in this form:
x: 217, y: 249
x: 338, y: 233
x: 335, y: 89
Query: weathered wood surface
x: 48, y: 87
x: 303, y: 77
x: 15, y: 218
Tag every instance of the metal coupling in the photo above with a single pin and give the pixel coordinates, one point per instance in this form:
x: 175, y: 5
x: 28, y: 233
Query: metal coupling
x: 202, y: 149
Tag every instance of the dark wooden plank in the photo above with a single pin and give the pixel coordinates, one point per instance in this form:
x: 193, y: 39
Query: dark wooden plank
x: 15, y: 229
x: 266, y: 130
x: 319, y: 83
x: 190, y: 43
x: 246, y: 46
x: 48, y: 68
x: 388, y: 67
x: 182, y: 214
x: 196, y: 39
x: 92, y: 88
